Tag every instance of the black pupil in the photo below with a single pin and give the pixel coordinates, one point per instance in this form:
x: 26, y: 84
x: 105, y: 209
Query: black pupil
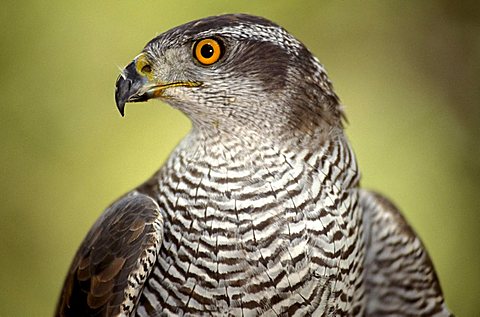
x: 207, y: 51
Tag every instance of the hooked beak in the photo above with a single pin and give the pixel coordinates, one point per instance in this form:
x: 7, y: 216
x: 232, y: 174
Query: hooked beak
x: 134, y: 87
x: 129, y: 87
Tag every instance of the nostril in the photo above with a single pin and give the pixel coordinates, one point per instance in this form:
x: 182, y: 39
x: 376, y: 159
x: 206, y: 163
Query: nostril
x: 146, y: 69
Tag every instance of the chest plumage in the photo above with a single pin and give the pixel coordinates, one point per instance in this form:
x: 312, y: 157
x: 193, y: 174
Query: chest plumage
x: 264, y: 229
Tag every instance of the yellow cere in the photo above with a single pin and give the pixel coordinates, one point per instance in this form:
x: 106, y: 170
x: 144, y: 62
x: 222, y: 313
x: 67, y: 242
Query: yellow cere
x: 143, y: 66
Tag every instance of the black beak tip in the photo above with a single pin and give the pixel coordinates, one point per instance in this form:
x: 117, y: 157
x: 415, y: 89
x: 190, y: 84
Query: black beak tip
x: 122, y: 90
x: 121, y: 107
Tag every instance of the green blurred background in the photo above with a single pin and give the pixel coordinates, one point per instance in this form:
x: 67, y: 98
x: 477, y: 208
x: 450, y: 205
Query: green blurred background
x: 407, y: 72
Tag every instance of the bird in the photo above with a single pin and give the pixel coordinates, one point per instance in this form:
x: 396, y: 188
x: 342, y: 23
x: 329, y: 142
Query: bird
x: 258, y: 211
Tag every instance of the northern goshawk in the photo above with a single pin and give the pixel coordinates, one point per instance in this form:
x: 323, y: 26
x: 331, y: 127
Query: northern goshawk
x: 258, y: 210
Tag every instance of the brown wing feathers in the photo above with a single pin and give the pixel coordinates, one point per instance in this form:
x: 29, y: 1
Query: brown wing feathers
x: 99, y: 275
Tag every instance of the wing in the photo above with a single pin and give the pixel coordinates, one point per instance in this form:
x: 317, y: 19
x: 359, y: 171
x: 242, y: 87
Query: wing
x: 400, y: 277
x: 116, y: 257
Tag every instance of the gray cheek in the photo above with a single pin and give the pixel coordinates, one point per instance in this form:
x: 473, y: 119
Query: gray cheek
x: 175, y: 65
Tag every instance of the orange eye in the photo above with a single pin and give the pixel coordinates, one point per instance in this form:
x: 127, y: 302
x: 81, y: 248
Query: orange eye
x: 207, y: 51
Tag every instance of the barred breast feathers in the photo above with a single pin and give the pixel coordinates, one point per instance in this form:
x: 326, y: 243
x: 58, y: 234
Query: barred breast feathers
x: 264, y: 229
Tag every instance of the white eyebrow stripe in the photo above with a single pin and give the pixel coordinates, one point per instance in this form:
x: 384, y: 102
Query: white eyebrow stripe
x: 265, y: 33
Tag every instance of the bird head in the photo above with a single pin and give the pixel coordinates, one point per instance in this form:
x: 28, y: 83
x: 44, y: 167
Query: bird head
x: 233, y: 72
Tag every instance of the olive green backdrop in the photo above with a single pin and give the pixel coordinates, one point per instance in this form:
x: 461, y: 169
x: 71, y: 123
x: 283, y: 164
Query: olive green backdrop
x: 407, y: 72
